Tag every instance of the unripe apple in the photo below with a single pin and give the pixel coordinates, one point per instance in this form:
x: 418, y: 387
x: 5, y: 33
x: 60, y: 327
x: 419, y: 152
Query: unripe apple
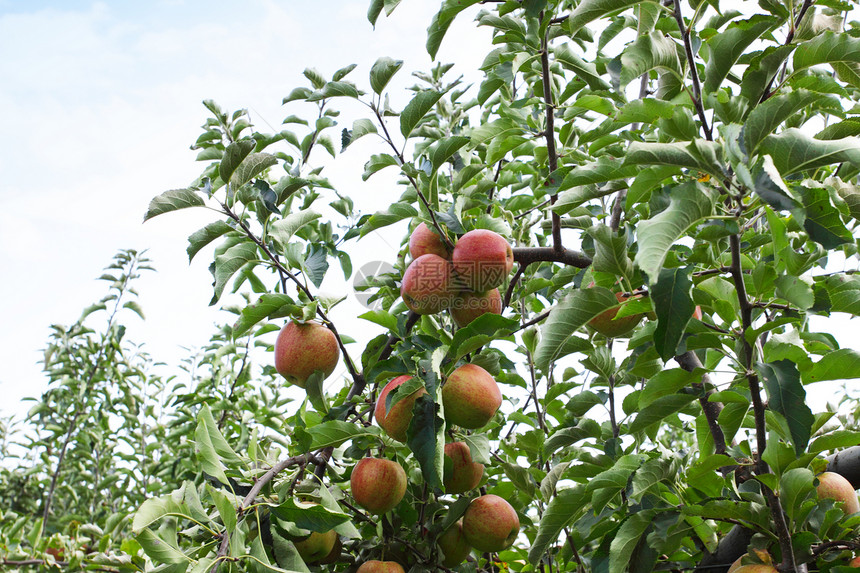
x: 316, y: 547
x: 425, y: 241
x: 302, y: 349
x: 467, y: 306
x: 395, y: 422
x: 454, y: 546
x: 380, y: 567
x: 490, y: 523
x: 470, y: 397
x: 377, y: 485
x: 606, y: 324
x: 482, y: 260
x: 831, y: 485
x: 333, y: 555
x: 427, y: 287
x: 757, y: 568
x: 461, y: 473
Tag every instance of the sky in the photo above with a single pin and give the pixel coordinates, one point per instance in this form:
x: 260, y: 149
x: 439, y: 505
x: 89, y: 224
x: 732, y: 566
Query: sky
x: 101, y: 101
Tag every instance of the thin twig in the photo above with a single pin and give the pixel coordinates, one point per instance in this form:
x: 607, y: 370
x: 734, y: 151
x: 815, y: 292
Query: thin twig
x: 694, y: 73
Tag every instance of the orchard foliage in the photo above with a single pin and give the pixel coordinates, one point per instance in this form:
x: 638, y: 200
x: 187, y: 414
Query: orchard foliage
x: 681, y: 154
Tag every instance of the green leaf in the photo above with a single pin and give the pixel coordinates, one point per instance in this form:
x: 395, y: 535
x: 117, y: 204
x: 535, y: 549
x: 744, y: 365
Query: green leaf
x: 225, y: 509
x: 396, y: 212
x: 334, y: 89
x: 282, y: 231
x: 154, y: 509
x: 204, y: 236
x: 838, y: 440
x: 726, y: 47
x: 795, y: 290
x: 673, y: 303
x: 171, y: 201
x: 689, y: 204
x: 335, y: 432
x: 442, y: 21
x: 360, y: 128
x: 762, y: 69
x: 794, y: 151
x: 843, y: 292
x: 564, y: 437
x: 426, y: 438
x: 827, y: 48
x: 226, y: 265
x: 665, y: 383
x: 787, y: 396
x: 160, y: 551
x: 842, y: 364
x: 235, y: 153
x: 313, y: 517
x: 771, y: 188
x: 270, y: 305
x: 479, y: 332
x: 585, y: 71
x: 658, y: 410
x: 382, y: 71
x: 378, y: 163
x: 211, y: 447
x: 701, y: 155
x: 823, y: 222
x: 252, y: 166
x: 374, y: 10
x: 627, y: 538
x: 767, y: 116
x: 646, y: 110
x: 447, y: 147
x: 568, y: 316
x: 648, y: 52
x: 590, y: 10
x: 610, y: 254
x: 561, y: 511
x: 416, y: 109
x: 382, y: 318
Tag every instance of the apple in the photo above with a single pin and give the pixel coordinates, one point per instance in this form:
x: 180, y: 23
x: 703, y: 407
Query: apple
x: 482, y: 259
x: 302, y: 349
x: 426, y: 287
x: 466, y: 306
x: 333, y: 555
x: 395, y: 422
x: 470, y: 397
x: 380, y: 567
x: 833, y: 486
x: 425, y: 241
x: 377, y: 485
x: 762, y: 555
x: 855, y: 562
x: 697, y: 313
x: 454, y: 546
x: 490, y: 523
x: 461, y: 473
x: 757, y: 568
x: 316, y: 547
x: 606, y: 324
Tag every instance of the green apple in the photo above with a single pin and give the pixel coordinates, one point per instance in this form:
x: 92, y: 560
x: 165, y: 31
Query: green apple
x: 466, y: 306
x: 302, y: 349
x: 377, y: 484
x: 454, y: 546
x: 490, y: 523
x: 380, y: 567
x: 316, y: 547
x: 396, y: 420
x: 461, y: 473
x: 482, y: 260
x: 426, y: 287
x: 424, y: 240
x: 471, y: 397
x: 833, y: 486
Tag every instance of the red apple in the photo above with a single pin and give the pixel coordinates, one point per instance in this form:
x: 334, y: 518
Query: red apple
x: 425, y: 241
x: 380, y: 567
x: 757, y: 568
x: 833, y: 486
x: 490, y: 523
x: 454, y: 546
x: 461, y: 473
x: 466, y: 306
x: 426, y: 287
x: 697, y: 314
x: 316, y: 547
x: 377, y: 485
x: 395, y: 422
x: 302, y: 349
x: 855, y: 562
x: 482, y: 260
x: 606, y: 324
x: 470, y: 397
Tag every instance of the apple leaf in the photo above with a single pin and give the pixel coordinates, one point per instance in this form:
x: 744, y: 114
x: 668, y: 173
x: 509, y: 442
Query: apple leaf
x: 313, y: 517
x: 823, y: 222
x: 561, y: 511
x: 674, y: 306
x: 666, y: 382
x: 787, y: 396
x: 842, y: 364
x: 235, y: 153
x: 227, y: 263
x: 426, y: 438
x: 479, y: 332
x: 610, y: 254
x: 204, y: 236
x: 333, y: 433
x: 590, y: 10
x: 211, y: 447
x: 162, y: 551
x: 271, y: 305
x: 567, y: 317
x: 416, y: 109
x: 769, y: 115
x: 442, y: 21
x: 629, y: 536
x: 794, y: 151
x: 726, y: 47
x: 659, y: 409
x: 171, y: 201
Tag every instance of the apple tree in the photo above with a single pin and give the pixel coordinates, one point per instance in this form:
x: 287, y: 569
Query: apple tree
x: 649, y: 210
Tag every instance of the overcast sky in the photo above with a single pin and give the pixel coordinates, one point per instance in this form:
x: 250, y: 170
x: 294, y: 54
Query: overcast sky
x: 100, y: 102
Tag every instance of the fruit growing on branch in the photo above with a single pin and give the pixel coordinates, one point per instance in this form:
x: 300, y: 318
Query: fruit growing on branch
x: 425, y: 241
x: 471, y: 397
x: 316, y: 547
x: 380, y: 567
x: 377, y: 484
x: 454, y: 546
x: 302, y: 349
x: 466, y: 306
x: 606, y: 324
x: 427, y: 287
x: 461, y: 473
x: 833, y: 486
x: 482, y: 260
x: 395, y: 420
x: 490, y: 523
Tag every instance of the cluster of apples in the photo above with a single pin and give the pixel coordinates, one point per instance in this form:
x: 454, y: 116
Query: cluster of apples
x: 464, y: 280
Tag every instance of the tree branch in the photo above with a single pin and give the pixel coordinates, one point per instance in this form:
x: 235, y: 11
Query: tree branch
x: 549, y: 134
x: 528, y: 255
x: 694, y: 73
